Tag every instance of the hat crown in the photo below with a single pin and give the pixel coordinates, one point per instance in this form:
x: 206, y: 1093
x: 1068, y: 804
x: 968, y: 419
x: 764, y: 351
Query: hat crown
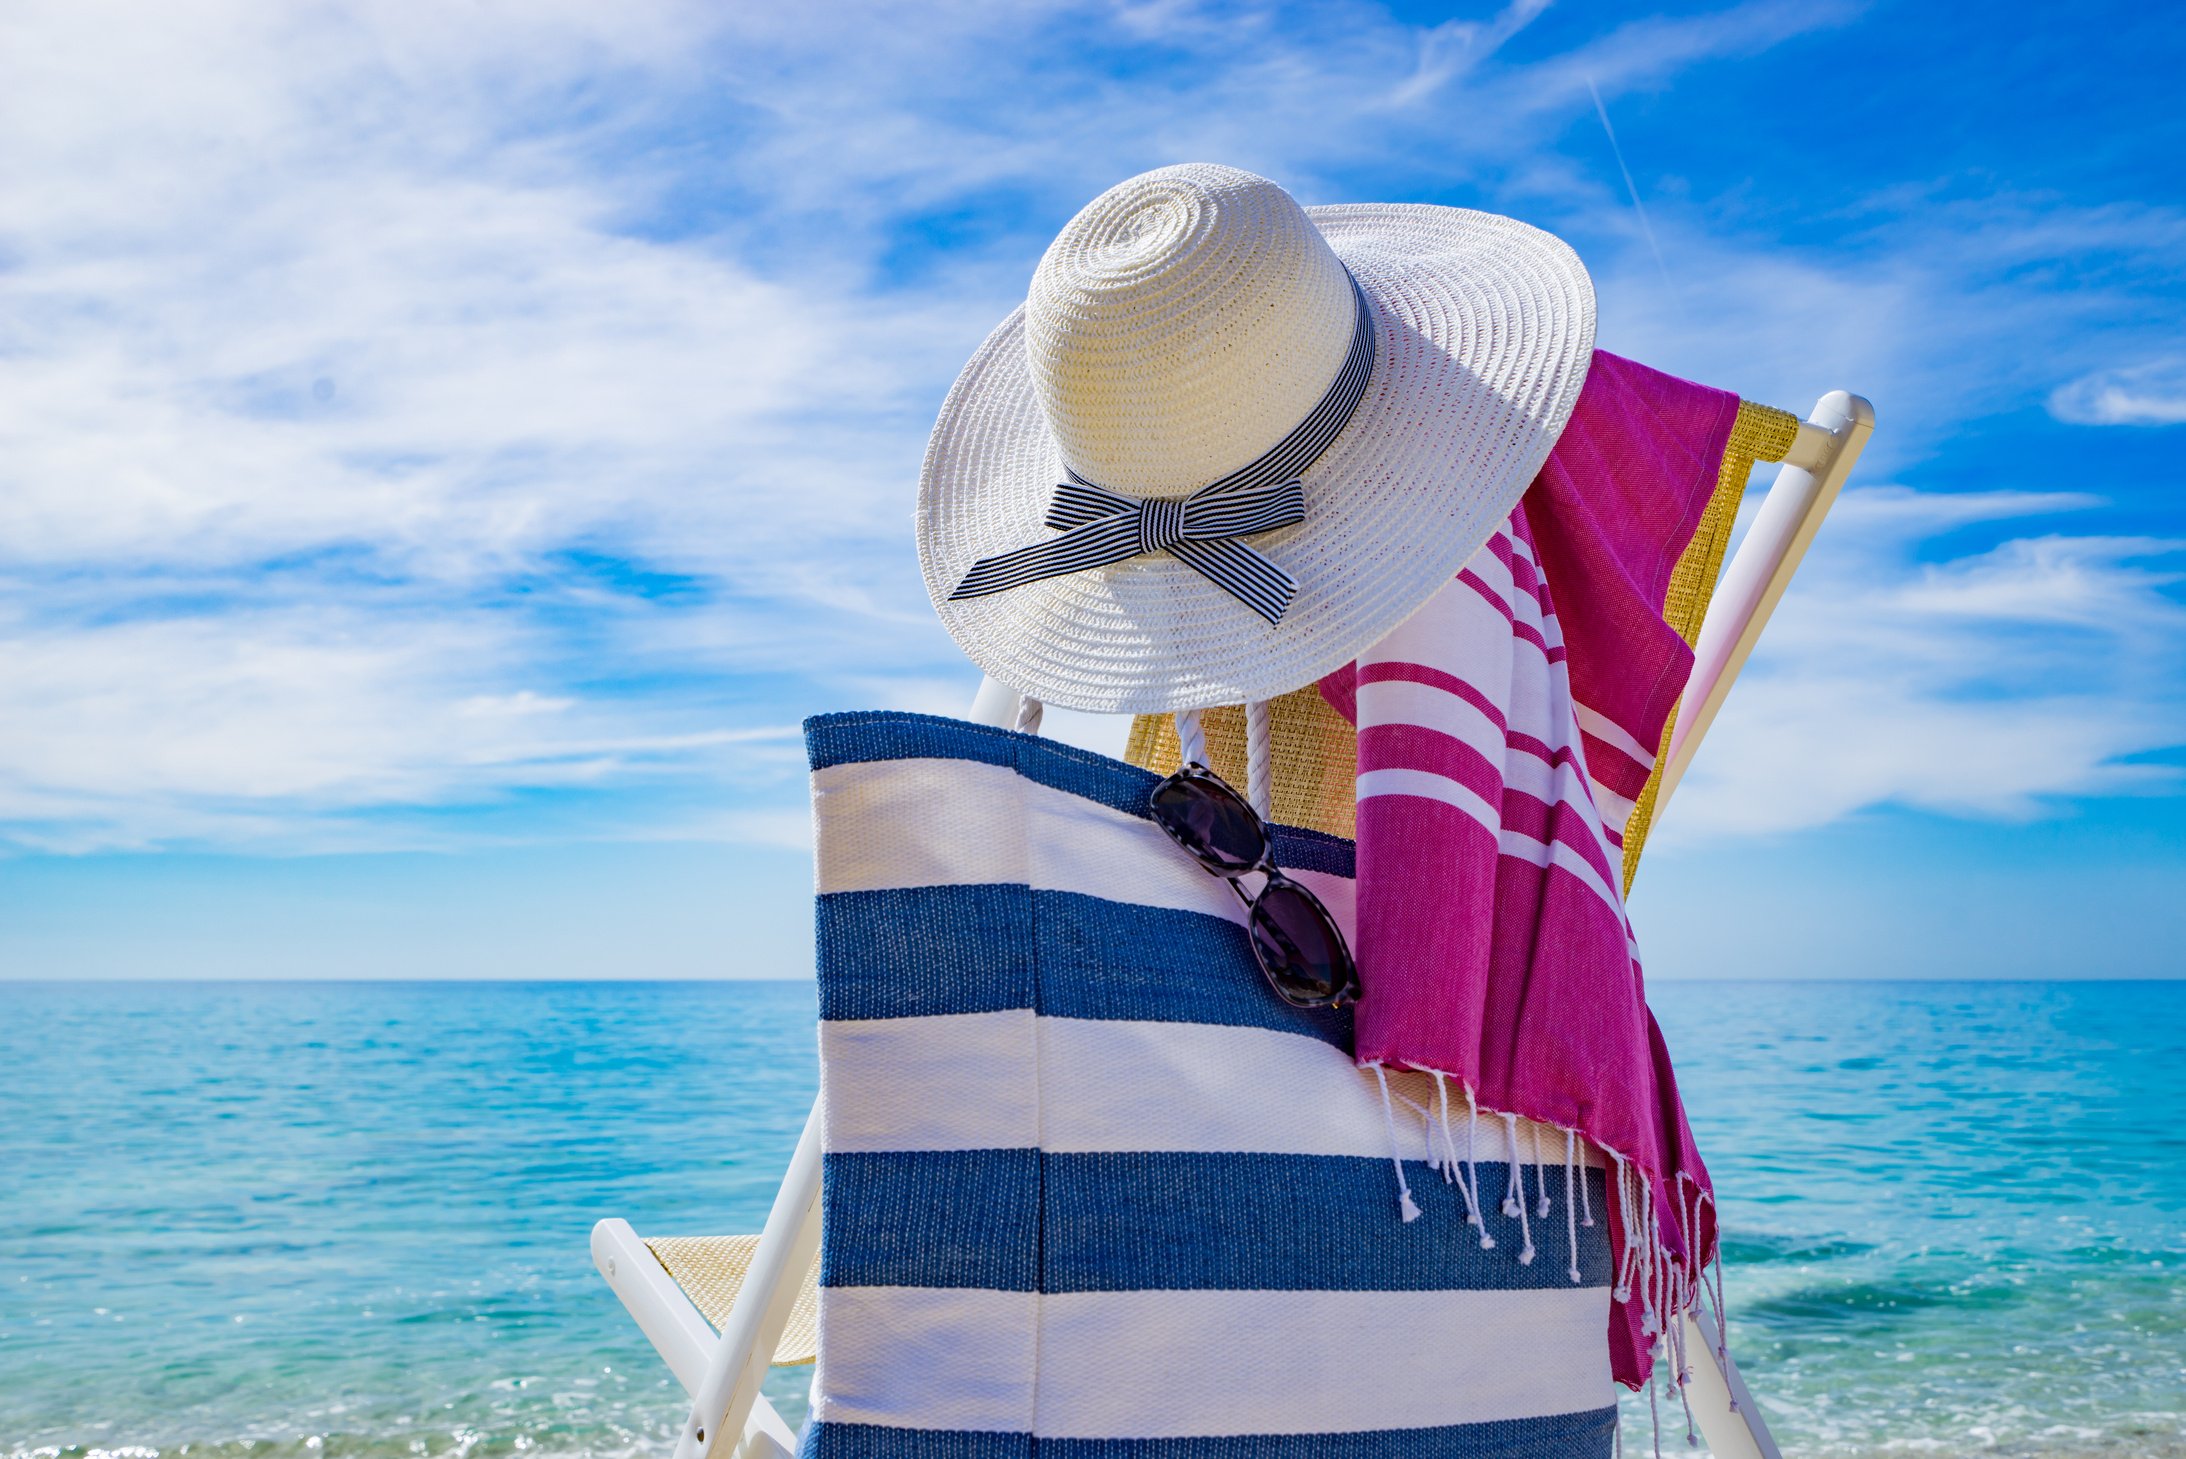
x: 1181, y: 325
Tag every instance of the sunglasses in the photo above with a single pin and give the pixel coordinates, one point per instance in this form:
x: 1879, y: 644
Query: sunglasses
x: 1298, y: 944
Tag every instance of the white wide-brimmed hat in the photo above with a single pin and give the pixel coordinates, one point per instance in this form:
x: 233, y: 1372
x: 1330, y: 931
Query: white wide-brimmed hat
x: 1228, y: 443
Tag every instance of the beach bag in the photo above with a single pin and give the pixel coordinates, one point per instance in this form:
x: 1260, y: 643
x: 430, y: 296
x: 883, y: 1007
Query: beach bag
x: 1092, y: 1189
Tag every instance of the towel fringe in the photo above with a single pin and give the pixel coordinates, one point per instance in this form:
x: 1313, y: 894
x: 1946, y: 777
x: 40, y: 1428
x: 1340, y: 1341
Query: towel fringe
x: 1668, y: 1280
x: 1406, y: 1206
x: 1685, y: 1377
x: 1472, y: 1166
x: 1540, y: 1168
x: 1571, y: 1206
x: 1439, y: 1145
x: 1514, y: 1199
x: 1628, y: 1260
x: 1654, y: 1419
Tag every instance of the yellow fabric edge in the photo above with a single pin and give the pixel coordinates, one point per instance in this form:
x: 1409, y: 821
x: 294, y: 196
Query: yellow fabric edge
x: 1761, y: 433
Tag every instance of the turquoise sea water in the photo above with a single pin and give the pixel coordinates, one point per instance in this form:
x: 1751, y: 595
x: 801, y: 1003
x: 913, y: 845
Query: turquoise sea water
x: 309, y: 1221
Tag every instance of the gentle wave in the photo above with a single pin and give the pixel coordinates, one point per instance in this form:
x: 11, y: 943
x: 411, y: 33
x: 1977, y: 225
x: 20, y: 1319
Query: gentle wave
x: 349, y: 1221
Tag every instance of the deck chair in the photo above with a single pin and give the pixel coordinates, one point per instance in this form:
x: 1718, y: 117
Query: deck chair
x: 722, y: 1310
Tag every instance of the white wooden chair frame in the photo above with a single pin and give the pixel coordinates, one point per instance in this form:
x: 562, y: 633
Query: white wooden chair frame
x: 731, y: 1419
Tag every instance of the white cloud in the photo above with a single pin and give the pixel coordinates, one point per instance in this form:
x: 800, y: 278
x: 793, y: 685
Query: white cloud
x: 338, y: 337
x: 2152, y: 394
x: 1984, y: 683
x: 335, y: 328
x: 1942, y: 312
x: 454, y: 370
x: 287, y: 729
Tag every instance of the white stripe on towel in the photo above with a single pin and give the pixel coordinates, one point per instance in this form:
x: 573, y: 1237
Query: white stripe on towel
x: 1427, y: 785
x: 1615, y: 735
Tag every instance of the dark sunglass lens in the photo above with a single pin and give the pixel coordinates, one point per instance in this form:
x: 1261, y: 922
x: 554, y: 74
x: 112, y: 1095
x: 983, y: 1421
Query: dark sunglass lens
x: 1300, y: 947
x: 1210, y: 820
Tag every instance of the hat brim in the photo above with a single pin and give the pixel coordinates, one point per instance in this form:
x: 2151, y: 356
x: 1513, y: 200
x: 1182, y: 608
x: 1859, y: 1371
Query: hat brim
x: 1484, y: 331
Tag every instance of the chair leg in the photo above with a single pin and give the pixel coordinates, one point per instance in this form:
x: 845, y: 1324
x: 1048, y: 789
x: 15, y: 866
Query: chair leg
x: 728, y: 1394
x: 767, y: 1435
x: 1724, y: 1409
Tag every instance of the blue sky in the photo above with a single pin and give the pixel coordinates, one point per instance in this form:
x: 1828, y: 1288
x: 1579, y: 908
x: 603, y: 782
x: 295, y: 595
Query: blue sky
x: 445, y: 449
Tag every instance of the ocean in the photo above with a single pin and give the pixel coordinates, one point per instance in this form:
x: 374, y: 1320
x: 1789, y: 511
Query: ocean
x: 347, y: 1221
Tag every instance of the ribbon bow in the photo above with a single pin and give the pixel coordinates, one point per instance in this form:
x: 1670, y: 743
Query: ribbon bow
x: 1100, y: 526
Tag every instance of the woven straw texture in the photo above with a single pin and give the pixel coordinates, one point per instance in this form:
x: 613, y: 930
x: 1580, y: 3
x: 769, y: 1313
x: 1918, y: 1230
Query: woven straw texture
x: 1317, y: 751
x: 1316, y: 755
x: 1146, y: 310
x: 1179, y: 327
x: 711, y: 1271
x: 1761, y: 433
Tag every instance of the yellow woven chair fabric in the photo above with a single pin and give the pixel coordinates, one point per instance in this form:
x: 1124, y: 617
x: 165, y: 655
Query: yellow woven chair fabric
x: 711, y: 1271
x: 1316, y: 751
x: 1316, y: 756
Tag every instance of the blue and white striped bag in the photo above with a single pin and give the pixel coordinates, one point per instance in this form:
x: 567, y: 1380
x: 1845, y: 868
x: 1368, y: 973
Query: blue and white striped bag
x: 1092, y: 1189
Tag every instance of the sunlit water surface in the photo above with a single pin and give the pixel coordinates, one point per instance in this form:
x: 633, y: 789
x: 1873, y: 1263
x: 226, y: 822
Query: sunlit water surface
x: 350, y: 1220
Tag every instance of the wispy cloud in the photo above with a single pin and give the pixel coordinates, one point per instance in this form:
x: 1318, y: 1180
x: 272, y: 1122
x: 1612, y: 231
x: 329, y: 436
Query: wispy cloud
x: 2152, y: 394
x: 286, y: 729
x: 409, y: 408
x: 1977, y: 682
x: 1456, y: 48
x: 413, y: 406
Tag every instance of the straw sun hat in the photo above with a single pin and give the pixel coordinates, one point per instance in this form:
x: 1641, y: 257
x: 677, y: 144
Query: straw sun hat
x: 1228, y: 443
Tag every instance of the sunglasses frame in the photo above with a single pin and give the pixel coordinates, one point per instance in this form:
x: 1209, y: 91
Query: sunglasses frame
x: 1195, y: 774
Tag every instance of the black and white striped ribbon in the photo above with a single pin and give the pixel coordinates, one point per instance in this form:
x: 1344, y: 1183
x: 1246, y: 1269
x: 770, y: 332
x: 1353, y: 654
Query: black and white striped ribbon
x: 1100, y: 526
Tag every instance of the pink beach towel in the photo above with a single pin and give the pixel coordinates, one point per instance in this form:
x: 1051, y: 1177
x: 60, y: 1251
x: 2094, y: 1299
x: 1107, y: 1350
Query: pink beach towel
x: 1503, y: 734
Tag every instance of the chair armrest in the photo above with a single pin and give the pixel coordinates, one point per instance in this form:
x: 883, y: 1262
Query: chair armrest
x: 676, y: 1329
